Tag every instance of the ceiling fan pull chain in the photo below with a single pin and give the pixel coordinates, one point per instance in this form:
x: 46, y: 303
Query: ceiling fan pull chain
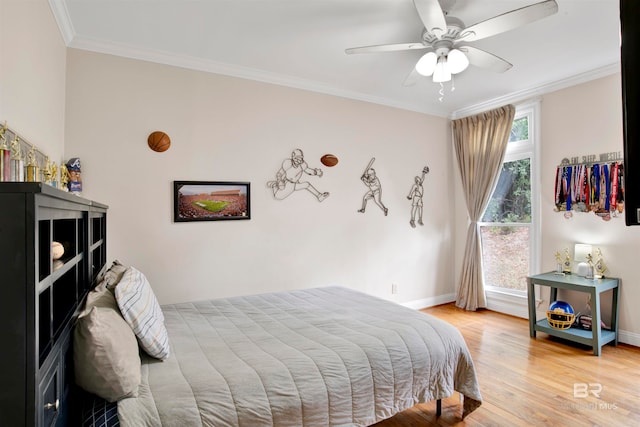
x: 441, y: 92
x: 453, y: 83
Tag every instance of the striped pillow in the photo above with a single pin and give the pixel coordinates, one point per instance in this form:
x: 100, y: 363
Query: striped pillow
x: 142, y: 312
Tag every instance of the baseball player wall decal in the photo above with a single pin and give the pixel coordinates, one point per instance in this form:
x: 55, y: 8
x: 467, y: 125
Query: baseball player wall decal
x: 370, y: 179
x: 415, y: 195
x: 289, y: 178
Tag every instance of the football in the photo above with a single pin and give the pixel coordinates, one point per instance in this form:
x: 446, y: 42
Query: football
x: 329, y: 160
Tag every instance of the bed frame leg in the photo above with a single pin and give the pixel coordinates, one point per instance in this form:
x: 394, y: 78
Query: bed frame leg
x: 438, y: 407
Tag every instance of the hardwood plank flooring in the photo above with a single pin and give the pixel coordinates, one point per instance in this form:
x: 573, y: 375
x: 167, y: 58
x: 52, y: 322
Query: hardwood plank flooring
x: 530, y: 381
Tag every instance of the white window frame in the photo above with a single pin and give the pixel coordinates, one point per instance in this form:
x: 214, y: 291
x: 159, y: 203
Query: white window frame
x: 514, y: 302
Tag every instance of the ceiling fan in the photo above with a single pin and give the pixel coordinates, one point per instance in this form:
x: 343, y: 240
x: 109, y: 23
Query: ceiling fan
x: 444, y: 38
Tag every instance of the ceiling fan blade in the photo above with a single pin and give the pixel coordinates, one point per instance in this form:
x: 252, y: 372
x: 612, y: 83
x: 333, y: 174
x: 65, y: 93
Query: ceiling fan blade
x: 509, y: 21
x: 386, y: 48
x: 412, y: 78
x: 431, y: 15
x: 484, y: 59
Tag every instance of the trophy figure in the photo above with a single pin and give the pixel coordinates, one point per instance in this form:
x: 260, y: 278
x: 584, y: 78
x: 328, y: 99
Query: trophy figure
x: 590, y: 271
x: 54, y: 175
x: 46, y: 172
x: 64, y: 177
x: 33, y: 170
x: 566, y: 266
x: 5, y: 156
x: 17, y: 164
x: 558, y: 263
x: 599, y: 267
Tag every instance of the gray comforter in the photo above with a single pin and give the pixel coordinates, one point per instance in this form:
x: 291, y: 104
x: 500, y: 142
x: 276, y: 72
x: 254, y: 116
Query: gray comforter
x: 316, y: 357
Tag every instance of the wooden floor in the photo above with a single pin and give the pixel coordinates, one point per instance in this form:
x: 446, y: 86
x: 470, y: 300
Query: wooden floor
x: 530, y: 381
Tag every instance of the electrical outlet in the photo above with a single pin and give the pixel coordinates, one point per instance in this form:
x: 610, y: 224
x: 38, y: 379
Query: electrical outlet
x: 394, y: 288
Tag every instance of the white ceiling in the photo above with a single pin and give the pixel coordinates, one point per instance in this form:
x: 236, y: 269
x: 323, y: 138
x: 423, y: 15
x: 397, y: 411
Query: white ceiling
x: 301, y: 43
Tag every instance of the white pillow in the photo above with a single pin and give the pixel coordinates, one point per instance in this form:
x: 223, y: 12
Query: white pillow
x: 141, y: 310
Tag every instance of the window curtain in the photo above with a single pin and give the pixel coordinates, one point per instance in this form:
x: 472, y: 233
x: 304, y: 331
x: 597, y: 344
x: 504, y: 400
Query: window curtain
x: 480, y: 143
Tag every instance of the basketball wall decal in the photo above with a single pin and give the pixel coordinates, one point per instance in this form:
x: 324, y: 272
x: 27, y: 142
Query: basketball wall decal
x: 159, y: 141
x: 329, y: 160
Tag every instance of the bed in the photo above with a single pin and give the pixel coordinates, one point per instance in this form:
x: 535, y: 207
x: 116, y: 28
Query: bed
x: 326, y: 356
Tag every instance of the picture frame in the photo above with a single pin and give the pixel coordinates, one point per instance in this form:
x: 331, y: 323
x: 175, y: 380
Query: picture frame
x: 211, y: 201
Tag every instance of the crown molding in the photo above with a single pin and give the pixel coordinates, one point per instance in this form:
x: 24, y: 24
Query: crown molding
x: 72, y: 40
x: 198, y: 64
x: 524, y: 95
x: 61, y: 15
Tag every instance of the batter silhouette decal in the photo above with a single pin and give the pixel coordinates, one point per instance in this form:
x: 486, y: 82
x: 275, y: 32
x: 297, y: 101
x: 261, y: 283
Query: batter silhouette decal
x: 370, y: 179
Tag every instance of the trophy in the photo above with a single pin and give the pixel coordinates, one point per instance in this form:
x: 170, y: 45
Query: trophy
x: 599, y: 267
x: 566, y: 266
x: 17, y: 164
x: 33, y: 170
x: 5, y: 156
x: 558, y: 263
x: 46, y: 172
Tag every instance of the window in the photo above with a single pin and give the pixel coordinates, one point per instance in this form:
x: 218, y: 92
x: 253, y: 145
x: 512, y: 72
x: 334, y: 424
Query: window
x: 508, y: 227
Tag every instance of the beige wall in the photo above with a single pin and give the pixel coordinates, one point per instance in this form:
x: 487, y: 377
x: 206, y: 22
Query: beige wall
x: 582, y: 120
x: 32, y: 74
x: 228, y: 129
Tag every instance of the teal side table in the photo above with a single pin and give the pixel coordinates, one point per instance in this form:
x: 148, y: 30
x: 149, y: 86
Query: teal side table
x: 595, y: 338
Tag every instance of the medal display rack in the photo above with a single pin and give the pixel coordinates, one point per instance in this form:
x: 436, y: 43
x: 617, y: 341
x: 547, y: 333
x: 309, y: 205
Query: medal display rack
x: 591, y: 184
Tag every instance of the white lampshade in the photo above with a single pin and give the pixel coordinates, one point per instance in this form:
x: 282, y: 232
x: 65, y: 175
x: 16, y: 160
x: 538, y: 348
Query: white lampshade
x: 427, y: 64
x: 457, y: 61
x: 441, y: 73
x: 581, y: 251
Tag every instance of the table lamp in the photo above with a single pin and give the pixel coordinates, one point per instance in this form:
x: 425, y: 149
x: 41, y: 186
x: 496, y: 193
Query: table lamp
x: 580, y: 253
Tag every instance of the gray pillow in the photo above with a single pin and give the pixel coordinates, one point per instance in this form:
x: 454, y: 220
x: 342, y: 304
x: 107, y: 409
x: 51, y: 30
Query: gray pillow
x: 113, y: 275
x: 105, y: 350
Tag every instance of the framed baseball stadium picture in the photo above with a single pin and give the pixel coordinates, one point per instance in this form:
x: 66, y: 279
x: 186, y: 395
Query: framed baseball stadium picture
x: 211, y: 201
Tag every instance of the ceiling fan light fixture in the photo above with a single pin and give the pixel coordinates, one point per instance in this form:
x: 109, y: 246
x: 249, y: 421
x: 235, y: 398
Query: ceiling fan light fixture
x: 442, y: 72
x: 427, y: 64
x: 457, y: 61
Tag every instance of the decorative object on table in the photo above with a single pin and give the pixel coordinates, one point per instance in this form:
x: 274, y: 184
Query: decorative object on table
x: 33, y: 170
x: 159, y: 141
x: 75, y: 175
x: 560, y: 315
x: 566, y: 265
x: 64, y: 177
x: 289, y: 178
x: 558, y: 263
x: 17, y: 163
x: 54, y: 175
x: 5, y: 156
x: 46, y: 171
x: 370, y: 179
x: 210, y: 200
x: 329, y: 160
x: 581, y: 253
x: 415, y: 195
x: 599, y: 267
x: 590, y: 263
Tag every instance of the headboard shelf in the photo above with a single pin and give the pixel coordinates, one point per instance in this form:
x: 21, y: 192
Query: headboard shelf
x: 43, y: 289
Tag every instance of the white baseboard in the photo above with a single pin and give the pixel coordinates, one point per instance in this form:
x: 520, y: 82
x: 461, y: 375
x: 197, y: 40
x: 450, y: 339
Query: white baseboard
x: 430, y: 302
x: 630, y: 338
